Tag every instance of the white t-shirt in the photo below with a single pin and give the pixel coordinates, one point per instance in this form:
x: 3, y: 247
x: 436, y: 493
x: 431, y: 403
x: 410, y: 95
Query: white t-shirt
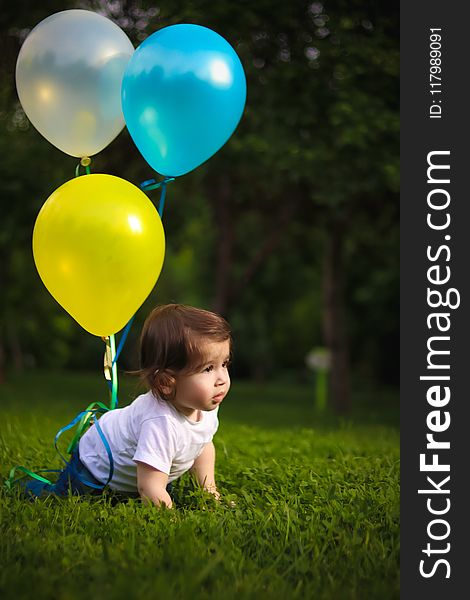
x: 149, y: 430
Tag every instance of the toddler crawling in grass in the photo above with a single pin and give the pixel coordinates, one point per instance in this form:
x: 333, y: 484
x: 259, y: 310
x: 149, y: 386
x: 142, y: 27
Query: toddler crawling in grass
x: 143, y: 447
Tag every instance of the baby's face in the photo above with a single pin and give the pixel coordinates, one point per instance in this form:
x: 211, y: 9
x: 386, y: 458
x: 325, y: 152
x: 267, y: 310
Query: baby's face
x: 205, y: 389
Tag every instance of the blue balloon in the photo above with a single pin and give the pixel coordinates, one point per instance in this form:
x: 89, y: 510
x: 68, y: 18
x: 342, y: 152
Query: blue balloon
x: 183, y: 94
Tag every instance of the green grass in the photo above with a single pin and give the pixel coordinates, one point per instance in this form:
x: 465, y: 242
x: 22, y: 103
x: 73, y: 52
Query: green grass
x: 316, y: 515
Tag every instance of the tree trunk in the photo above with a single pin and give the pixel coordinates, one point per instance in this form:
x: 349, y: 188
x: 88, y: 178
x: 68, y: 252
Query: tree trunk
x: 221, y: 197
x: 2, y: 359
x: 266, y: 248
x: 226, y: 290
x: 15, y: 346
x: 334, y: 323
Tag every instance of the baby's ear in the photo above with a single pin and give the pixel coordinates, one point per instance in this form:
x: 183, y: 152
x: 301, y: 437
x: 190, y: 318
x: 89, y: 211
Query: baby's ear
x: 165, y: 384
x: 167, y: 390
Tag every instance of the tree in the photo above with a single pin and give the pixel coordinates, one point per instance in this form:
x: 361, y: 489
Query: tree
x: 290, y: 229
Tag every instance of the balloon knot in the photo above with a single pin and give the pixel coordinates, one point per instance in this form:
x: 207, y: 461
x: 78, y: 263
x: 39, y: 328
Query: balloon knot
x: 85, y: 162
x: 151, y: 184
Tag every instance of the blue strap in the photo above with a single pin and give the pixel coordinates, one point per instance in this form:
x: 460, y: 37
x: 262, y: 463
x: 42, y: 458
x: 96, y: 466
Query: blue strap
x: 122, y: 340
x: 161, y: 204
x: 150, y: 184
x: 65, y: 428
x: 90, y: 413
x: 110, y: 458
x: 89, y: 483
x: 124, y: 335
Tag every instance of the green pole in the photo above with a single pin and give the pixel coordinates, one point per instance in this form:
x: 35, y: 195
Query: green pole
x: 321, y: 389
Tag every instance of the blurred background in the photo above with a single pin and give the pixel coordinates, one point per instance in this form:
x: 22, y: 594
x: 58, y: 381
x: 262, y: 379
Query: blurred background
x: 290, y: 230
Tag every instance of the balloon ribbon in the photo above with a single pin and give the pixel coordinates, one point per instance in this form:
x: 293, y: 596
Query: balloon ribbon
x: 150, y: 184
x: 85, y: 418
x: 89, y: 415
x: 85, y: 162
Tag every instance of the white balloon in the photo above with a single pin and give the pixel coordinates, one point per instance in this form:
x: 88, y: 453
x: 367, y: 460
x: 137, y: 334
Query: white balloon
x: 68, y: 77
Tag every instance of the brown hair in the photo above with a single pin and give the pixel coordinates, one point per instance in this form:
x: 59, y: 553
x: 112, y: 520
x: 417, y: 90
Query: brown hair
x: 172, y: 342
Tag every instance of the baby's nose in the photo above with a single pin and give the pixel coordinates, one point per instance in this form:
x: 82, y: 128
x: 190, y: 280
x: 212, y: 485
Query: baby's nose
x: 222, y: 377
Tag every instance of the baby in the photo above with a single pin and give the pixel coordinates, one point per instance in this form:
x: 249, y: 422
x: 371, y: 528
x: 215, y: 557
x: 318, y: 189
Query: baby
x: 143, y: 447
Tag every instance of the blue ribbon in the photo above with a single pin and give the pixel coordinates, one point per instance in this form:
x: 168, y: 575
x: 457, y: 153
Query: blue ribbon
x: 66, y: 428
x: 150, y: 184
x: 100, y: 486
x: 103, y: 439
x: 122, y: 340
x: 108, y: 451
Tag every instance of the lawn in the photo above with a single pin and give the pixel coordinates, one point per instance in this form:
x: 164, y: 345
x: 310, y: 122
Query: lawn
x: 316, y: 512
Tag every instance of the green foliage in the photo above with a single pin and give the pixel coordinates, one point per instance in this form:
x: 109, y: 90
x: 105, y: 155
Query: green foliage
x: 316, y: 510
x: 317, y: 145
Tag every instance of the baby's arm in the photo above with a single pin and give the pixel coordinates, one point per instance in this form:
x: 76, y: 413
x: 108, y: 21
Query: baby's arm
x: 203, y: 468
x: 151, y: 484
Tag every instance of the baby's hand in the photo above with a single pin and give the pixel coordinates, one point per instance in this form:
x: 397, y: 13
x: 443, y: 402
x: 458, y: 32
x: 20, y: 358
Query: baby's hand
x: 216, y: 494
x: 213, y: 490
x: 229, y: 503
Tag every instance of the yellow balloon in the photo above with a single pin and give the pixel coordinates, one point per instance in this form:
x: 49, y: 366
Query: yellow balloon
x: 99, y: 245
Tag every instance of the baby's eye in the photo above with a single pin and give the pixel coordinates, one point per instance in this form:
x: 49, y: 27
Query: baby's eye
x: 208, y: 369
x: 226, y: 364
